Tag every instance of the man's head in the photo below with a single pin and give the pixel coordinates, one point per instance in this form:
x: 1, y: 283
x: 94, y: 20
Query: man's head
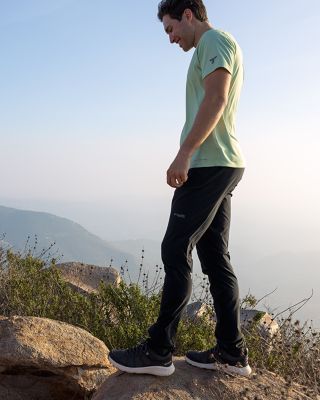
x: 180, y: 18
x: 175, y: 9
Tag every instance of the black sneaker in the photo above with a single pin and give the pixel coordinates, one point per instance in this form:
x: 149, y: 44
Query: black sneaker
x: 219, y: 360
x: 141, y: 359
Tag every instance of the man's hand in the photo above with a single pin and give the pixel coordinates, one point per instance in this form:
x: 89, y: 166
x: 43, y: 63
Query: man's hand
x: 177, y: 173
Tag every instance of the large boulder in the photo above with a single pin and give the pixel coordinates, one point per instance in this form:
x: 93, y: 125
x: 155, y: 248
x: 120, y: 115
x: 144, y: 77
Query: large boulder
x: 191, y: 383
x: 43, y: 359
x: 86, y: 277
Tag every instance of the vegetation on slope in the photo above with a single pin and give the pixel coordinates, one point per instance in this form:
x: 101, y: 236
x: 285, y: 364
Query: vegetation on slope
x: 30, y: 284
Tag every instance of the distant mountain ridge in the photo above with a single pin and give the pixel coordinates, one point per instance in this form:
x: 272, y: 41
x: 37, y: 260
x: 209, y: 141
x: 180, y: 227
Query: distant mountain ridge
x: 295, y: 274
x: 73, y: 242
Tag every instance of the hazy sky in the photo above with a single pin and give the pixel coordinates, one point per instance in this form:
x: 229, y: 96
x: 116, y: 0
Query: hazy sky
x: 92, y: 105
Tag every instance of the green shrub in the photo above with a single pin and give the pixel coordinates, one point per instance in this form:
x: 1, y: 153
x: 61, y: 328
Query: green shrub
x: 127, y: 313
x: 29, y: 286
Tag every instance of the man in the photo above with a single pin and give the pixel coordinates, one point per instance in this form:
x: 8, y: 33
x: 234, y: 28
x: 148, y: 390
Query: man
x: 204, y: 173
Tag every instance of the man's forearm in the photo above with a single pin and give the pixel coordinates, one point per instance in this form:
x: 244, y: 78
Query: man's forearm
x: 209, y: 114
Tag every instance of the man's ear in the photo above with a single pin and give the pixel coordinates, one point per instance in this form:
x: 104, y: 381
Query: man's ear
x: 188, y: 14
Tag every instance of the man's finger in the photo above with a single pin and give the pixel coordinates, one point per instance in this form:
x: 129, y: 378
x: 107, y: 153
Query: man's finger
x: 178, y: 182
x: 173, y: 182
x: 169, y: 180
x: 184, y: 178
x: 175, y: 179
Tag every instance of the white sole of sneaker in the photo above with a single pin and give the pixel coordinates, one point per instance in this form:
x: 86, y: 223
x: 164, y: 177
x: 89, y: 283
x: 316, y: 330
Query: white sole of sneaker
x: 154, y: 370
x: 244, y: 371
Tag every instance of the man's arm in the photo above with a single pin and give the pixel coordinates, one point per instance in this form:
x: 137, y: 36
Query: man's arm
x: 216, y: 86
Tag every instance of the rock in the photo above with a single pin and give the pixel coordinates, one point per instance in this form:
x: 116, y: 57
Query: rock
x: 191, y: 383
x: 43, y: 359
x: 198, y: 309
x: 266, y: 326
x: 35, y: 387
x: 86, y: 278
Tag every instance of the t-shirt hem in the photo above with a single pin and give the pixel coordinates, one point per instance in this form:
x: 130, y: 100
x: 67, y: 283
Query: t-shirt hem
x: 231, y: 165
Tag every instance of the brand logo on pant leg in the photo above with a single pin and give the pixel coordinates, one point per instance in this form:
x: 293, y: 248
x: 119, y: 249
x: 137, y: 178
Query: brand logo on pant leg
x: 179, y: 215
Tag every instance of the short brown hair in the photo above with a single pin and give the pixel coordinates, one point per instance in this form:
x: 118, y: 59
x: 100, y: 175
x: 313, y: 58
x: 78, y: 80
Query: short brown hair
x: 175, y: 9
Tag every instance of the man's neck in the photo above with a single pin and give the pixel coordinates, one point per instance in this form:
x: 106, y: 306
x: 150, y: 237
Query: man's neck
x: 200, y: 29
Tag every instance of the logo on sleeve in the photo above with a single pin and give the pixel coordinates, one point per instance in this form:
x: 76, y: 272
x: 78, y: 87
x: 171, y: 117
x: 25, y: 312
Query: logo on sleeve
x: 212, y: 60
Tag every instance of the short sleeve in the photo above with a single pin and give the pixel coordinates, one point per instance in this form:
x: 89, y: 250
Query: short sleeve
x: 215, y: 51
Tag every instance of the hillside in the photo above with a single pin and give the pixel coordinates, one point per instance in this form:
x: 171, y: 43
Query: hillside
x: 73, y: 242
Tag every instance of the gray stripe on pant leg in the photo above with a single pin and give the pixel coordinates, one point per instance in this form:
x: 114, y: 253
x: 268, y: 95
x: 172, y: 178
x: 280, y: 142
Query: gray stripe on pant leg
x: 196, y: 236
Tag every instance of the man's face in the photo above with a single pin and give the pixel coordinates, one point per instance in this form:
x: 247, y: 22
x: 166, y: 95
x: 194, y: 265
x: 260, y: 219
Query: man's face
x: 180, y: 32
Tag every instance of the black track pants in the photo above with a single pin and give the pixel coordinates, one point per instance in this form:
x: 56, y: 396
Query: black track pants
x: 200, y: 216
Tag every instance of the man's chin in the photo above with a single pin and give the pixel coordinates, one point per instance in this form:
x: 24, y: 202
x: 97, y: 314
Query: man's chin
x: 185, y: 49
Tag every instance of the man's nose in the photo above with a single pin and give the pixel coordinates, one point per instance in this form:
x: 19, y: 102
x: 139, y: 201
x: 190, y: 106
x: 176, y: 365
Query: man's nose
x: 171, y: 37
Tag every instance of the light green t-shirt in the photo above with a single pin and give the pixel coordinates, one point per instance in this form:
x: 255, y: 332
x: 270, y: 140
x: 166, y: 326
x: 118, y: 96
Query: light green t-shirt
x: 216, y: 49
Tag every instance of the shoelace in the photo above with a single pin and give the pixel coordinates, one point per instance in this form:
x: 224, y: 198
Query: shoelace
x: 143, y: 346
x: 217, y: 350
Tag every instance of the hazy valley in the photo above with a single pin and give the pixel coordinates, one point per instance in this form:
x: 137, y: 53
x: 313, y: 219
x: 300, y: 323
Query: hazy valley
x: 292, y: 273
